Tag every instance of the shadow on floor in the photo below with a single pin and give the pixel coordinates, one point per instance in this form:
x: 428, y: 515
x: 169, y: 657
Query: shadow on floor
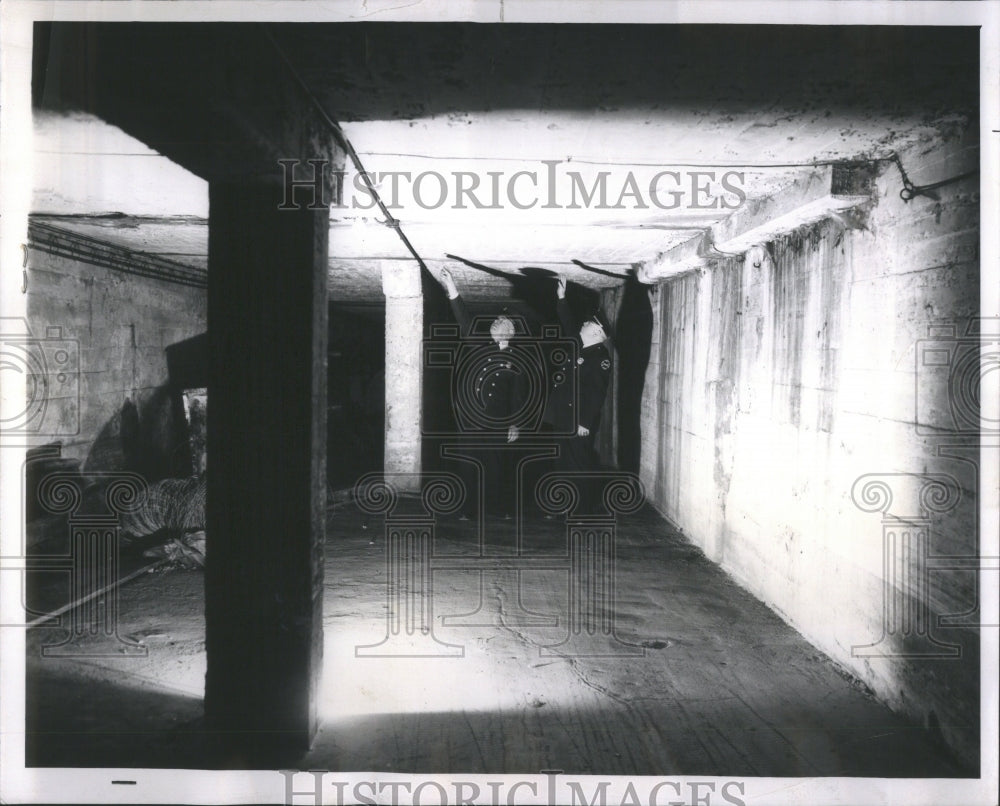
x: 722, y: 687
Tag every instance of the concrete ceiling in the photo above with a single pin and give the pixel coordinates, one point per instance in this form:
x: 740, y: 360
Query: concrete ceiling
x: 436, y: 99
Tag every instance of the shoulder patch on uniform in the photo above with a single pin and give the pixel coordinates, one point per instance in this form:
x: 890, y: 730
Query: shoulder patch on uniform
x: 606, y: 364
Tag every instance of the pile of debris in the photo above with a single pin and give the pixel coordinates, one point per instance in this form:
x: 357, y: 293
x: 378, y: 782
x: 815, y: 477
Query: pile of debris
x: 174, y: 509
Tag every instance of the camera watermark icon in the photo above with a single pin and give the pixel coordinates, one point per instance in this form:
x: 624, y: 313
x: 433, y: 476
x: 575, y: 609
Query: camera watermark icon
x: 49, y: 368
x: 588, y: 560
x: 951, y: 368
x: 90, y: 562
x: 955, y: 366
x: 470, y: 364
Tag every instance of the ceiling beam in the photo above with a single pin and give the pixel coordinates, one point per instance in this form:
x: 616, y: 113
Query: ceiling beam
x: 824, y: 192
x: 830, y: 189
x: 218, y: 100
x: 680, y: 259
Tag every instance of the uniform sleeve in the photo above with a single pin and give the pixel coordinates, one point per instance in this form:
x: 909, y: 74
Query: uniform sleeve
x: 522, y: 386
x: 461, y: 312
x: 569, y: 328
x: 593, y: 389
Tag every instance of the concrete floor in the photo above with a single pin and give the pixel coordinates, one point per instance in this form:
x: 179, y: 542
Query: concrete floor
x: 707, y: 679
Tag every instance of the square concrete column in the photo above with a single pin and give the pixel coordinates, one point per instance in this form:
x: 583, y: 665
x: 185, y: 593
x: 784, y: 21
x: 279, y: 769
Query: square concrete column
x: 267, y: 329
x: 404, y: 330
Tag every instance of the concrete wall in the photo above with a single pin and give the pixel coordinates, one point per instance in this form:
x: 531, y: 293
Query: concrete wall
x: 120, y: 324
x: 773, y: 388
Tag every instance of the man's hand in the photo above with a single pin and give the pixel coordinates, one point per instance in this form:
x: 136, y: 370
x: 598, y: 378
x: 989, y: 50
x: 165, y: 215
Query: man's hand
x: 561, y: 288
x: 582, y: 431
x: 513, y: 433
x: 449, y: 283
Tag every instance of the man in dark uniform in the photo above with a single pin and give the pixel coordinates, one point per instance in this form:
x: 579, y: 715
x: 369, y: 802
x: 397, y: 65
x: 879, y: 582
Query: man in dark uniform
x: 577, y: 390
x: 497, y: 394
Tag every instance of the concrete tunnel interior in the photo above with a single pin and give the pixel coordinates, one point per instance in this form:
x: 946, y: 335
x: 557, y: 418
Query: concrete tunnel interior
x: 792, y: 391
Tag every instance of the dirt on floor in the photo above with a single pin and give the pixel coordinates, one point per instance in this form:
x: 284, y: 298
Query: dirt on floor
x: 695, y: 676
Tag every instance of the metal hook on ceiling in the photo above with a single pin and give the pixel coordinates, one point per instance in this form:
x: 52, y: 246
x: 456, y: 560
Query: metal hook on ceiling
x: 909, y: 191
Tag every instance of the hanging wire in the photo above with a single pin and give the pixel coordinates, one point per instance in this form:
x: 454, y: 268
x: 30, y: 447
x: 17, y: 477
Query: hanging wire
x: 908, y: 192
x: 580, y: 161
x: 390, y: 221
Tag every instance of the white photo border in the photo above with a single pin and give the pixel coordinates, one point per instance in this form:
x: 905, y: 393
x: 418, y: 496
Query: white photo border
x: 20, y: 785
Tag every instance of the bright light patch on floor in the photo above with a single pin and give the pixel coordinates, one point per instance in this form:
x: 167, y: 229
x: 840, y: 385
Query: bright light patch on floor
x: 357, y: 686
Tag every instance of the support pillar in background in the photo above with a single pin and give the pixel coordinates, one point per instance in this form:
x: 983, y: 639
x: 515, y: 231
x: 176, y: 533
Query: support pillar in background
x: 267, y: 329
x: 404, y: 331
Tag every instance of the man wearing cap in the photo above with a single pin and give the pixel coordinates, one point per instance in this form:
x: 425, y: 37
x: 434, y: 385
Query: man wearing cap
x: 577, y: 390
x: 499, y: 393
